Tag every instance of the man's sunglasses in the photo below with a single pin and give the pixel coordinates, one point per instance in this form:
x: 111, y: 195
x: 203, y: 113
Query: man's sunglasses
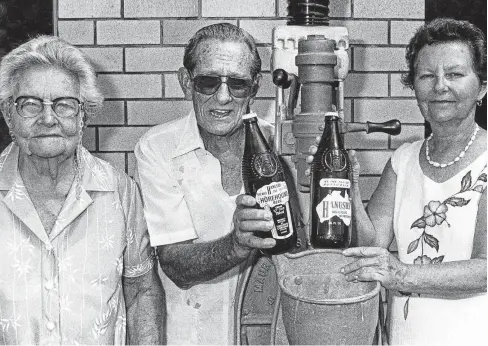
x: 208, y: 85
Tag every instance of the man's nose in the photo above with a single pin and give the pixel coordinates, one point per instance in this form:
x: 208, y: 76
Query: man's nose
x: 223, y: 94
x: 441, y: 84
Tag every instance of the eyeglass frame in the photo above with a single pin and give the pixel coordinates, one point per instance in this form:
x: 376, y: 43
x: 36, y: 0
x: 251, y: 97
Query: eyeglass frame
x: 252, y: 80
x: 51, y: 103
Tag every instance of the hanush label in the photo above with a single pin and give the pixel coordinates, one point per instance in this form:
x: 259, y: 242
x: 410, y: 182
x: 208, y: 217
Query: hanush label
x: 335, y: 205
x: 275, y: 197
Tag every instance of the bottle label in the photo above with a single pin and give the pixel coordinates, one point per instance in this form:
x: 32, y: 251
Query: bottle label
x: 265, y: 164
x: 275, y: 197
x: 335, y: 183
x: 334, y: 160
x: 335, y: 205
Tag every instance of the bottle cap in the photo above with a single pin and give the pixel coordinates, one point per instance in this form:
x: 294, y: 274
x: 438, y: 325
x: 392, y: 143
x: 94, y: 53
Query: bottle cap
x: 332, y: 114
x: 249, y: 116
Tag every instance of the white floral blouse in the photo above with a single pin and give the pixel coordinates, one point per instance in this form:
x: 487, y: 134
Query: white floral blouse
x: 65, y: 287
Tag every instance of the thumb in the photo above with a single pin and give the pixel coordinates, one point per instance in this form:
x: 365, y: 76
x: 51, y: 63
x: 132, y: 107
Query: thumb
x: 356, y: 168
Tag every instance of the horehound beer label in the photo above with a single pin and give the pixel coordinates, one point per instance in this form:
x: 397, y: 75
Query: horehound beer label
x: 275, y: 197
x: 335, y: 205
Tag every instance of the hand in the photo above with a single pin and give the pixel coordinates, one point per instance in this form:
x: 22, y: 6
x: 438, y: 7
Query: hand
x: 249, y: 219
x: 356, y: 168
x: 375, y: 264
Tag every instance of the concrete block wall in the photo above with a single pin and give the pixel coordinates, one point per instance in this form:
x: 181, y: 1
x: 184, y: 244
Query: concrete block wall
x: 137, y: 47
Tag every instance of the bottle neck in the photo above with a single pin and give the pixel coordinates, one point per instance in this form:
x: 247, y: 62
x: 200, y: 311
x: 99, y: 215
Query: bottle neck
x: 254, y: 137
x: 332, y: 133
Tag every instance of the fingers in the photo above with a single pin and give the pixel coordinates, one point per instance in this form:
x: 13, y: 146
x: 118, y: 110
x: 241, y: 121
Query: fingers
x: 364, y: 251
x: 245, y: 201
x: 312, y: 151
x: 254, y: 214
x: 248, y: 219
x: 365, y: 274
x: 356, y: 168
x: 251, y: 241
x: 359, y: 264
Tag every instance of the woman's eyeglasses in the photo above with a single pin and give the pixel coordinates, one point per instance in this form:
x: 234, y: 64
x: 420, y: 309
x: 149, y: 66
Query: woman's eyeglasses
x: 63, y: 107
x: 208, y: 85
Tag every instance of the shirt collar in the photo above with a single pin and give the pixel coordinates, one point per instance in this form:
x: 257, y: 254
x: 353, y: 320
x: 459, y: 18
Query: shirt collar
x: 96, y: 173
x: 190, y: 136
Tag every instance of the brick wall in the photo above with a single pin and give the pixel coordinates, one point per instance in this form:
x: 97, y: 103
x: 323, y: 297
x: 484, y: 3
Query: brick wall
x: 137, y: 47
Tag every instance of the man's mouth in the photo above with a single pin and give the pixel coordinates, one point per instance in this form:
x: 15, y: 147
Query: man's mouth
x: 47, y: 135
x: 220, y: 113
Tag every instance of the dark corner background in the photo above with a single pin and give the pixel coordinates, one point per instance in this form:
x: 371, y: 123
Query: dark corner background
x: 19, y: 21
x: 470, y: 10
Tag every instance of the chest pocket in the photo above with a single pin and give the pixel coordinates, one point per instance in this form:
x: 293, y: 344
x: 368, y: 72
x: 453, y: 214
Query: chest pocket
x: 211, y: 209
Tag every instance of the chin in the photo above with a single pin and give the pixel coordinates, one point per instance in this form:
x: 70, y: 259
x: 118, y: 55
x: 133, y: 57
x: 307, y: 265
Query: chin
x: 49, y: 150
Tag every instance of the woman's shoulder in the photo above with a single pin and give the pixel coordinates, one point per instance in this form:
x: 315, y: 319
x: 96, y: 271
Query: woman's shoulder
x: 404, y: 153
x: 105, y: 173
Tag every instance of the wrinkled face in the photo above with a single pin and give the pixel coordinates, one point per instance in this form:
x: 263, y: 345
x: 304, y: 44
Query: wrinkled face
x: 445, y: 83
x: 46, y: 135
x: 221, y: 113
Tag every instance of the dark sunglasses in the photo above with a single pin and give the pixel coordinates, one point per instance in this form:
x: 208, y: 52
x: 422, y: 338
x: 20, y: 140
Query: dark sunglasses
x: 208, y: 85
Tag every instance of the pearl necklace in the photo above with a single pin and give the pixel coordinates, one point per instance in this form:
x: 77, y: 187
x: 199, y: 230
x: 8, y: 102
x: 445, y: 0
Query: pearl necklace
x: 461, y: 155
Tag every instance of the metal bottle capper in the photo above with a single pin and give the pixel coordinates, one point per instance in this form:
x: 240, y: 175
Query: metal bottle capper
x: 263, y: 178
x: 330, y: 190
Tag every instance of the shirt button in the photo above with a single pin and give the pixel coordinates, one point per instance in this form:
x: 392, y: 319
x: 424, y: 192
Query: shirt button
x: 50, y: 325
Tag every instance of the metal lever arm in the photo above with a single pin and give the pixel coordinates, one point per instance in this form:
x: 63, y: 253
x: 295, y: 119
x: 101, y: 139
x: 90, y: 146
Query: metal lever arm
x: 285, y: 80
x: 391, y: 127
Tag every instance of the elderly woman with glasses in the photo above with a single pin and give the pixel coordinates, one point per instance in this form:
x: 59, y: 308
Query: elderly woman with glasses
x: 76, y: 262
x: 190, y: 175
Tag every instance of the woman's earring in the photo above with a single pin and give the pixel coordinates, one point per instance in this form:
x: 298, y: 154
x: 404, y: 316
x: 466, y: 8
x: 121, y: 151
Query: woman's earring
x: 12, y: 135
x: 479, y: 102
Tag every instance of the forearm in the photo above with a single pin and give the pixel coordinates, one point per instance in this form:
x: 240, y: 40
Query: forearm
x: 190, y: 264
x: 365, y: 231
x: 448, y: 278
x: 146, y: 309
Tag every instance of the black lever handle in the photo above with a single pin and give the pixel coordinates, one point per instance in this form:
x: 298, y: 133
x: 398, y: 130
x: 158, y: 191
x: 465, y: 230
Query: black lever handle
x: 281, y: 78
x: 391, y: 127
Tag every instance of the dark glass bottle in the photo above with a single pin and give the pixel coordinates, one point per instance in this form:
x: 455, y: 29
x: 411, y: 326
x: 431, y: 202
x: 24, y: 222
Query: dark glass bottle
x: 330, y: 190
x: 263, y: 178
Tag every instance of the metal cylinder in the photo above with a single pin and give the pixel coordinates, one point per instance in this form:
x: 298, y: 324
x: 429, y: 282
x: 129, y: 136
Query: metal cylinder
x: 308, y: 12
x: 315, y: 61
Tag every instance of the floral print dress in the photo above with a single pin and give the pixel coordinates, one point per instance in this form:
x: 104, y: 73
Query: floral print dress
x: 435, y: 223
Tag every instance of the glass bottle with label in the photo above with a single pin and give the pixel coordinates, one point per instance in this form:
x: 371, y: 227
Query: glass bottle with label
x: 330, y: 190
x: 263, y: 178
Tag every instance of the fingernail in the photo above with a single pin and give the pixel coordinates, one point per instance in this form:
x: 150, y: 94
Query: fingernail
x: 270, y: 224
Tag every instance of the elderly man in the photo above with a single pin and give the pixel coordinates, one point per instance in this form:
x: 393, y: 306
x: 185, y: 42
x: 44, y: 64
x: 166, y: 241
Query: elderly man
x: 189, y: 170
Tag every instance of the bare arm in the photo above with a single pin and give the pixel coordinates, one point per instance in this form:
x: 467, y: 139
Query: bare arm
x: 145, y: 307
x: 376, y: 263
x: 374, y: 227
x: 188, y: 264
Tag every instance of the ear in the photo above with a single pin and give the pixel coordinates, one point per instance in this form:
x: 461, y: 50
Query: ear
x: 185, y: 83
x: 257, y: 84
x: 482, y: 91
x: 5, y: 112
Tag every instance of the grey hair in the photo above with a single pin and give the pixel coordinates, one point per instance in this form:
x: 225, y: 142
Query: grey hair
x: 224, y: 32
x: 50, y: 51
